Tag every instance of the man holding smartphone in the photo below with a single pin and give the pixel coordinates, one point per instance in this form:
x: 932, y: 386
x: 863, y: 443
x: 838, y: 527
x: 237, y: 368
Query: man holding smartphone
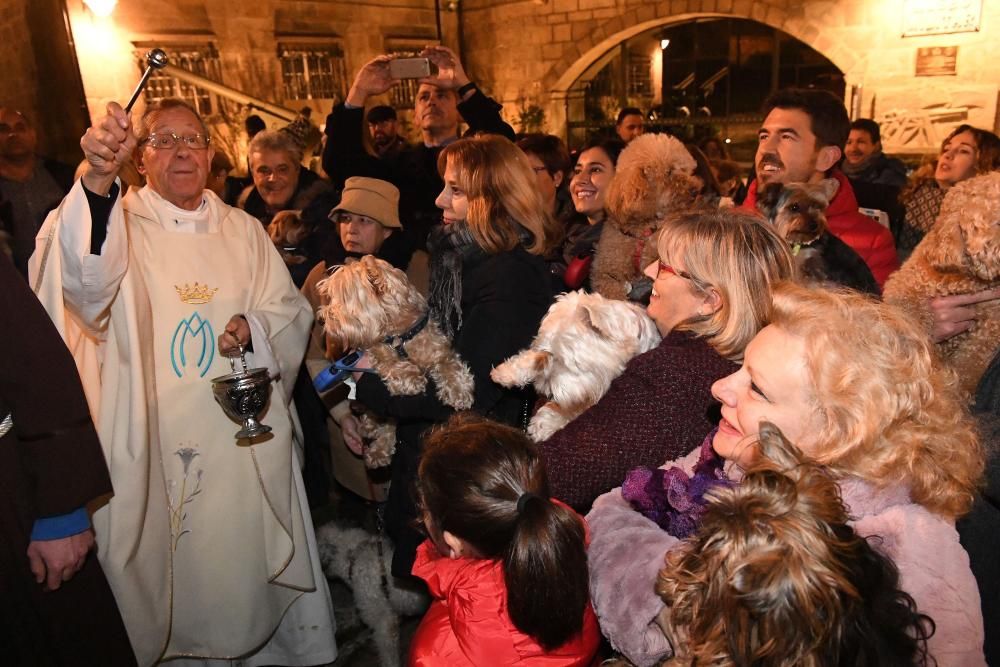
x: 444, y: 99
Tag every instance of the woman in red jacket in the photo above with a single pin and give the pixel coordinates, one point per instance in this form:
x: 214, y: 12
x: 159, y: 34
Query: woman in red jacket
x: 505, y: 564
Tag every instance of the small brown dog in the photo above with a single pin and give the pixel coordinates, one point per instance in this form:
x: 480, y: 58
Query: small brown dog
x: 373, y: 307
x: 777, y: 576
x: 287, y: 232
x: 959, y: 255
x: 798, y: 212
x: 653, y: 178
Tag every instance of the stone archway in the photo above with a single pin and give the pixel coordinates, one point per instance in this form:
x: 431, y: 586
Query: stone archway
x: 590, y: 42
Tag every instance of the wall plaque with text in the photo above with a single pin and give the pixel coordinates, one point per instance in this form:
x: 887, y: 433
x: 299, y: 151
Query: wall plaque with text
x: 937, y: 61
x: 939, y: 17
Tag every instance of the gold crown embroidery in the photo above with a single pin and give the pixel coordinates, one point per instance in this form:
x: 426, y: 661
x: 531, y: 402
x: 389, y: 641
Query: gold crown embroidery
x: 196, y: 293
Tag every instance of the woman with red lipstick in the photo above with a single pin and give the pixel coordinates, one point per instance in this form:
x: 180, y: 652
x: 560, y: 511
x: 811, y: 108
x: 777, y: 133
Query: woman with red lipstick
x: 489, y: 289
x: 857, y: 386
x: 711, y: 295
x: 966, y: 152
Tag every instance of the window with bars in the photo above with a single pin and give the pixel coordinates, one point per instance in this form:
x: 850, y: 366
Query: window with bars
x: 640, y: 83
x: 311, y: 72
x: 202, y: 60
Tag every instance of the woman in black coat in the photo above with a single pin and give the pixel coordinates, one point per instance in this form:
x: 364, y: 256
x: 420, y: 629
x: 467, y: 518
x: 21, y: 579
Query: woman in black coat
x: 489, y: 289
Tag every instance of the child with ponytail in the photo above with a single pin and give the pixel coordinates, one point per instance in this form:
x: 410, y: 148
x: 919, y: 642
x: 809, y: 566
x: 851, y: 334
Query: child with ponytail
x: 505, y: 564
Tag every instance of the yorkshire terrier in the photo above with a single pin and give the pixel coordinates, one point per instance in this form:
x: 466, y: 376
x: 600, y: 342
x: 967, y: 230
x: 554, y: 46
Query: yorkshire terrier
x: 582, y: 345
x: 777, y: 576
x: 287, y: 232
x: 371, y: 305
x: 798, y: 212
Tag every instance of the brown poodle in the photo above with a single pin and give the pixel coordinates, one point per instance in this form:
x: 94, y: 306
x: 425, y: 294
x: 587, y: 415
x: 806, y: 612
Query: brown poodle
x: 372, y: 306
x: 959, y: 255
x: 653, y: 178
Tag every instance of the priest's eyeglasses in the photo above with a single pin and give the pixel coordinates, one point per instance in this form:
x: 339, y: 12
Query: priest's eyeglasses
x: 168, y: 140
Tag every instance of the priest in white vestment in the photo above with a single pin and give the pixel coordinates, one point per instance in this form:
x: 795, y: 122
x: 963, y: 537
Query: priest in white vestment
x: 207, y: 542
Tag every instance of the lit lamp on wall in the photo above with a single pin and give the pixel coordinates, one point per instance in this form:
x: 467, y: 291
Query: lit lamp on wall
x: 101, y: 8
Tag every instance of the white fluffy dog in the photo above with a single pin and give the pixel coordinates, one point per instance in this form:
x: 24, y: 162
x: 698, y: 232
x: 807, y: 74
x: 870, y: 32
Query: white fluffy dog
x: 356, y: 557
x: 582, y: 345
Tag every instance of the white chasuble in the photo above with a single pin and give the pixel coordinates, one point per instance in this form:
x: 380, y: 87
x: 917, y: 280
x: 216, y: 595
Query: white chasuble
x: 207, y: 543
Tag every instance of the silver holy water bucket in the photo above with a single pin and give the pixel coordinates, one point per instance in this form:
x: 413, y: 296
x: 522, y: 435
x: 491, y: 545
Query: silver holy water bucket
x: 243, y: 396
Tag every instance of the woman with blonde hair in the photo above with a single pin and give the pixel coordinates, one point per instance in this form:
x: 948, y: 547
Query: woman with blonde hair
x: 775, y: 576
x: 711, y: 295
x: 489, y: 289
x: 856, y: 386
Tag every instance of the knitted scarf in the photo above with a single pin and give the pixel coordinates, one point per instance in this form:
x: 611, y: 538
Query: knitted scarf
x: 449, y: 246
x: 671, y: 498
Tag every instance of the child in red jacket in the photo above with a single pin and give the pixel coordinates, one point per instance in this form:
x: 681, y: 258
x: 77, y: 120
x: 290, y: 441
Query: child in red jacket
x: 505, y: 564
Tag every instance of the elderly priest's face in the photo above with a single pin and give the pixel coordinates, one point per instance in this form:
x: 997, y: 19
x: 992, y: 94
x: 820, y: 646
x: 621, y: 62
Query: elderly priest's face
x: 178, y: 173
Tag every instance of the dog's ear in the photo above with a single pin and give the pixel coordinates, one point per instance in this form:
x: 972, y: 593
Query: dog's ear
x: 982, y: 241
x: 606, y: 321
x: 980, y: 224
x: 944, y: 245
x: 374, y: 274
x: 827, y: 188
x: 768, y: 199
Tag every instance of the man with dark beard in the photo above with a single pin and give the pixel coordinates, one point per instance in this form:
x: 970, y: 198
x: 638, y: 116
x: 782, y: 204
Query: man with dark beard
x: 801, y: 140
x: 383, y: 126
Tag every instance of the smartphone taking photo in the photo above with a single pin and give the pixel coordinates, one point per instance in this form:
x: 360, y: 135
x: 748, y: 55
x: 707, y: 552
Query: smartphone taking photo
x: 410, y: 68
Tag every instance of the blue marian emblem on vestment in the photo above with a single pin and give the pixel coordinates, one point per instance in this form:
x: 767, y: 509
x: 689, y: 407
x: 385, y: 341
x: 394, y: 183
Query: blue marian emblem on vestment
x: 193, y: 334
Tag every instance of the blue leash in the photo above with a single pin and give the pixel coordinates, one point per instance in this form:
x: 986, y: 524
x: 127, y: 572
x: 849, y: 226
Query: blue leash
x: 339, y: 371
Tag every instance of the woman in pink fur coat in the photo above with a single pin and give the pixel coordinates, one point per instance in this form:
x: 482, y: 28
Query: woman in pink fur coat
x: 857, y: 386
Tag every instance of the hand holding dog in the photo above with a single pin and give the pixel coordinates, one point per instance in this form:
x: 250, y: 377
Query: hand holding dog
x: 350, y: 428
x: 951, y: 315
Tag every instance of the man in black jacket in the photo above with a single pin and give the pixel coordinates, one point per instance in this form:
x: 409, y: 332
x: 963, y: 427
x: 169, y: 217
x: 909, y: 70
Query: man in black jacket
x: 280, y: 183
x: 440, y: 101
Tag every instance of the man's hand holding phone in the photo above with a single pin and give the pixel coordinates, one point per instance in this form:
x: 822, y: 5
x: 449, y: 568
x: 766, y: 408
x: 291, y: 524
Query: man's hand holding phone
x: 450, y: 73
x: 372, y: 79
x: 436, y: 65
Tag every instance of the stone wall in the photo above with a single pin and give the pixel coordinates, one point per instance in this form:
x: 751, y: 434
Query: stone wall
x: 40, y: 76
x: 523, y: 52
x: 537, y: 49
x: 246, y: 38
x: 17, y: 85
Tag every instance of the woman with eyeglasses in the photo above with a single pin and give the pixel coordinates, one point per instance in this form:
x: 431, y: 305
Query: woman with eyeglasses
x: 711, y: 290
x: 857, y: 387
x: 488, y: 292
